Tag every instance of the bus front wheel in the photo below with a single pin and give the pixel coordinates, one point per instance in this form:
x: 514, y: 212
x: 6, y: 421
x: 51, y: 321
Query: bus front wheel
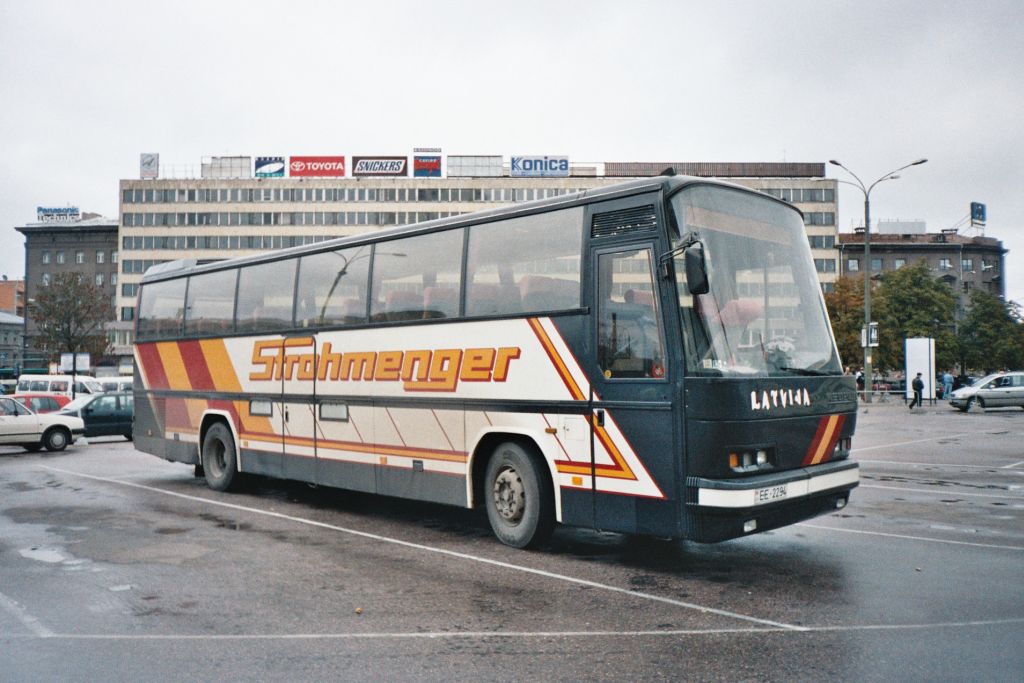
x: 220, y: 458
x: 518, y: 496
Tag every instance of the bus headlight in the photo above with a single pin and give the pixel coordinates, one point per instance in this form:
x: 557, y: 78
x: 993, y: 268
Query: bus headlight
x: 751, y: 459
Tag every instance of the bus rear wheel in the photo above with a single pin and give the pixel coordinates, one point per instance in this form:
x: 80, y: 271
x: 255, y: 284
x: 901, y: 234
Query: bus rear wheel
x: 220, y: 460
x: 518, y: 497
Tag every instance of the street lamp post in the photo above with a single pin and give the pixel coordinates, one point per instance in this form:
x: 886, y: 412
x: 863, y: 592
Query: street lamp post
x: 891, y: 175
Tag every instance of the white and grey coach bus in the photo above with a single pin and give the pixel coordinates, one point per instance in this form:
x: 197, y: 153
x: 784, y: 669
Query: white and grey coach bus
x: 652, y: 357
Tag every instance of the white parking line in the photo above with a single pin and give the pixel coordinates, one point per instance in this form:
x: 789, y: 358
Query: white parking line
x: 942, y: 492
x: 906, y: 443
x: 908, y: 538
x: 1007, y: 467
x: 26, y: 619
x: 484, y: 635
x: 934, y: 464
x: 441, y: 551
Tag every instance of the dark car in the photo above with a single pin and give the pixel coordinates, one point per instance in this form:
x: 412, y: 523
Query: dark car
x: 104, y: 414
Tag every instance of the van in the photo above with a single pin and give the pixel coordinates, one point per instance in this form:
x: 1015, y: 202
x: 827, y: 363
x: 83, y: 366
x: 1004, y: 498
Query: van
x: 58, y: 384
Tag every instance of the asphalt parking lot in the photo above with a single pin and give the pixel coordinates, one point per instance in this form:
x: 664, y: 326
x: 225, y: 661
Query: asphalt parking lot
x: 118, y: 566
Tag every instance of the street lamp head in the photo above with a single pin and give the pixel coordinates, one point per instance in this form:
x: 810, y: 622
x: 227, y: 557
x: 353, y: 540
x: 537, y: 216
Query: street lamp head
x: 834, y: 162
x: 919, y: 162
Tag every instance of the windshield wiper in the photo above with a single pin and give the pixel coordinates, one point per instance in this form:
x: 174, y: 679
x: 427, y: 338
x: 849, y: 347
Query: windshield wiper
x: 805, y: 371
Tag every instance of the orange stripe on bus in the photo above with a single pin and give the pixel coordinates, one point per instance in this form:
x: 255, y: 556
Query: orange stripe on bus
x: 174, y: 366
x: 556, y: 360
x: 826, y: 439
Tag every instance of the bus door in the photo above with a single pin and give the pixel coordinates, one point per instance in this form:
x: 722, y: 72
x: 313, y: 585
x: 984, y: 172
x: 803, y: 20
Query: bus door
x: 297, y: 408
x: 632, y: 431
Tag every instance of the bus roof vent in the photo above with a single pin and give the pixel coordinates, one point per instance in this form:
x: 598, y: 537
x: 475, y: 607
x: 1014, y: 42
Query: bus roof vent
x: 623, y: 221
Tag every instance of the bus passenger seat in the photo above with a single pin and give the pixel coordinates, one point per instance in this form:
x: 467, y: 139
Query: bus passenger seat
x: 402, y: 305
x: 482, y: 299
x: 440, y: 302
x: 353, y: 311
x: 542, y: 293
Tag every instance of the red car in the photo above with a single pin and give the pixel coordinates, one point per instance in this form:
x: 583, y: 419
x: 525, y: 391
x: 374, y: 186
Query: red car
x: 42, y: 403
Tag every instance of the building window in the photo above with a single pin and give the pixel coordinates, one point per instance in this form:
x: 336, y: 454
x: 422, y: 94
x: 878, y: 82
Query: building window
x: 101, y: 256
x: 876, y: 264
x: 113, y: 257
x: 853, y: 265
x: 945, y: 264
x: 128, y: 313
x: 113, y: 278
x: 822, y: 241
x: 967, y: 264
x: 79, y: 257
x: 60, y: 257
x: 828, y: 287
x: 899, y: 263
x: 46, y: 257
x: 99, y: 279
x: 825, y: 265
x: 45, y: 279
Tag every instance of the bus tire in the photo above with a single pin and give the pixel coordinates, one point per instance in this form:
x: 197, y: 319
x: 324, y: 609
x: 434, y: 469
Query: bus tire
x: 518, y: 497
x: 220, y: 459
x: 56, y: 439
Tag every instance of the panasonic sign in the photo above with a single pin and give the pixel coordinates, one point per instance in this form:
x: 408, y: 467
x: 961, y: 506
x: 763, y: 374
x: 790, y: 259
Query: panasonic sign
x: 539, y: 166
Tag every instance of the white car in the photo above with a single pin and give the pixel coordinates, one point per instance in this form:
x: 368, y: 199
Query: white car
x: 1000, y: 390
x: 32, y: 431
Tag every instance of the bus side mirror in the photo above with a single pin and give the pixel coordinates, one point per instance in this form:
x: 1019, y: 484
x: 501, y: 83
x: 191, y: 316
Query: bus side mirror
x: 696, y: 269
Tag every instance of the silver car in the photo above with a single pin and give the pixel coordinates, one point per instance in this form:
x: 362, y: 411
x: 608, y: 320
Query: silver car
x: 1000, y: 390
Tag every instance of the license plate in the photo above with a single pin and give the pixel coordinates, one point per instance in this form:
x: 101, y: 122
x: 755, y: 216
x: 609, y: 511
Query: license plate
x: 770, y: 493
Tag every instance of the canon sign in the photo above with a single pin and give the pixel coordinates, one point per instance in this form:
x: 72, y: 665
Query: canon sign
x: 539, y: 166
x: 321, y: 167
x: 379, y: 166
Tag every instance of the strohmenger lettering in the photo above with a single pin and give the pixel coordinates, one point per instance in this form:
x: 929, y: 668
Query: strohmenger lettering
x: 417, y: 369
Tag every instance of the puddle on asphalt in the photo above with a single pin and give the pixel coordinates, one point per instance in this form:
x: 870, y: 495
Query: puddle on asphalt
x: 43, y: 554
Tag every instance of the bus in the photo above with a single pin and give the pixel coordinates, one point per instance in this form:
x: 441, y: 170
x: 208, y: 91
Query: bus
x: 652, y: 357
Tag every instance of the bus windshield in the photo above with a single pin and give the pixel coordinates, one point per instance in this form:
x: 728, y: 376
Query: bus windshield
x: 763, y: 314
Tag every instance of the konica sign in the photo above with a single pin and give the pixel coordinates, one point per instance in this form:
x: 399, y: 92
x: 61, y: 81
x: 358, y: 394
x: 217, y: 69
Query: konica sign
x: 539, y: 166
x: 376, y: 166
x: 269, y: 167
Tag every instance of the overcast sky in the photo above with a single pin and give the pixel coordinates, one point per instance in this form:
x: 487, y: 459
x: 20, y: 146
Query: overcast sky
x: 86, y: 86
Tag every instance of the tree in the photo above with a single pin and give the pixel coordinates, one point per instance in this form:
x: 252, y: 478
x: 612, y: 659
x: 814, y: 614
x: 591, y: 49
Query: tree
x: 69, y: 316
x: 992, y: 335
x: 845, y: 305
x: 912, y: 303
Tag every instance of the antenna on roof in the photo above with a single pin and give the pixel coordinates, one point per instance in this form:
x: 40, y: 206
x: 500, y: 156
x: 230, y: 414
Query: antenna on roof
x: 670, y: 171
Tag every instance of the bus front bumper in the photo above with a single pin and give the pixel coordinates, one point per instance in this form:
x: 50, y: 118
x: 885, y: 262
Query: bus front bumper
x: 726, y: 508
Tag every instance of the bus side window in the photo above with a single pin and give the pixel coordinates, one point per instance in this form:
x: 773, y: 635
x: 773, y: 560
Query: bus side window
x: 417, y: 277
x: 629, y: 341
x: 210, y: 301
x: 332, y: 287
x: 524, y: 265
x: 265, y: 294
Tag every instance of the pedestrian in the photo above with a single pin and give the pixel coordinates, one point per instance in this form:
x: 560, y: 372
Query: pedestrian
x: 860, y: 383
x: 918, y: 386
x: 947, y: 384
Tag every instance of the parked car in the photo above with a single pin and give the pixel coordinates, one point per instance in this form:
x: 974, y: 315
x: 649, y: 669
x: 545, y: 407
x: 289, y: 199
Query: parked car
x: 32, y: 431
x: 43, y: 403
x: 105, y: 414
x: 999, y: 390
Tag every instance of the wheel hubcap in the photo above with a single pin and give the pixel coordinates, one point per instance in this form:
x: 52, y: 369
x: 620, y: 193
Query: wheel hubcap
x: 509, y: 495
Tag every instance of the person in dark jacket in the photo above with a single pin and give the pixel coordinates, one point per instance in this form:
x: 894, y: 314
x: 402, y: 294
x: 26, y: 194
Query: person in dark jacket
x: 918, y: 386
